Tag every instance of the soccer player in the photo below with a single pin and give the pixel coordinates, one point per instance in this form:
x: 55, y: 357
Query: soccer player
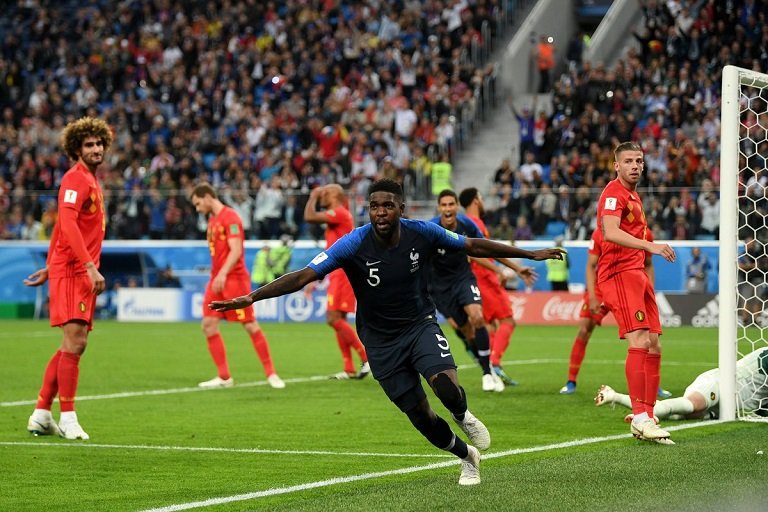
x: 385, y: 262
x: 497, y: 308
x: 229, y: 276
x: 341, y: 298
x: 626, y: 288
x: 72, y: 269
x: 454, y: 289
x: 702, y: 397
x: 593, y: 311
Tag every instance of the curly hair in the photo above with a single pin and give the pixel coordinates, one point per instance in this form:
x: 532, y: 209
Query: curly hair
x: 75, y: 133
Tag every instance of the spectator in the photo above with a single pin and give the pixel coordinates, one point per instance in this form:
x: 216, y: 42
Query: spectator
x: 710, y: 215
x: 522, y: 230
x: 696, y: 272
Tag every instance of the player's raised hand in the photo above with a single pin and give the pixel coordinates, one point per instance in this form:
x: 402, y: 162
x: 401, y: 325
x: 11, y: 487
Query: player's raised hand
x: 664, y: 250
x: 37, y: 277
x: 548, y: 254
x: 237, y: 303
x: 528, y: 275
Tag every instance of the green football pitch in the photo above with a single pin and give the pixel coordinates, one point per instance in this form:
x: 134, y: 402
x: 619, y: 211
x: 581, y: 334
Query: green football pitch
x: 158, y: 442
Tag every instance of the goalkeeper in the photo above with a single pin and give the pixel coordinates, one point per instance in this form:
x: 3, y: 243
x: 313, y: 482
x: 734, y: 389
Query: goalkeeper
x: 701, y: 399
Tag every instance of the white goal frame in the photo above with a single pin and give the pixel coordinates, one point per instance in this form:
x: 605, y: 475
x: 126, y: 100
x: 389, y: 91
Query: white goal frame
x: 730, y: 135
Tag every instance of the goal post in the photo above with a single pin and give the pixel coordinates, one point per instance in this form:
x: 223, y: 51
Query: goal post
x: 743, y: 157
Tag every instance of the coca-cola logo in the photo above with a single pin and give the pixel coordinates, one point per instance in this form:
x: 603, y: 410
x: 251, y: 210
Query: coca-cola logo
x: 558, y: 308
x: 518, y: 306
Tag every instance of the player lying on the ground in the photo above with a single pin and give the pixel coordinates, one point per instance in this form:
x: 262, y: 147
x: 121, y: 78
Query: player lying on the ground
x: 701, y: 399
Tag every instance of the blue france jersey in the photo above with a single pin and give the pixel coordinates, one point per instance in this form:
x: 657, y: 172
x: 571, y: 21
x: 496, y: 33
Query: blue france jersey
x: 448, y: 265
x: 390, y: 283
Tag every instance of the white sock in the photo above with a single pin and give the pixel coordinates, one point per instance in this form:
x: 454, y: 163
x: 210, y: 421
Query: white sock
x: 68, y: 417
x: 664, y: 408
x: 639, y: 418
x: 42, y: 414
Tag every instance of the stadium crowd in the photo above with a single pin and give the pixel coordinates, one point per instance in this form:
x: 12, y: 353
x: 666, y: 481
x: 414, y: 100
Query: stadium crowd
x: 663, y: 93
x: 263, y: 99
x: 270, y: 99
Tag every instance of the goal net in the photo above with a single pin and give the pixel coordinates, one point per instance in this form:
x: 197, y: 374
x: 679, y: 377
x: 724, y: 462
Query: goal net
x: 743, y: 265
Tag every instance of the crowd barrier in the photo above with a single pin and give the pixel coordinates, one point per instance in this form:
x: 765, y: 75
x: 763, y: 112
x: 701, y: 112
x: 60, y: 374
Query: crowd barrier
x: 190, y: 261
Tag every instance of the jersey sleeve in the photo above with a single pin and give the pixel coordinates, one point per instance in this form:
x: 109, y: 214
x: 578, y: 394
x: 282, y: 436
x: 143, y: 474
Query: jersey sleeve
x: 473, y: 231
x: 612, y: 202
x: 341, y: 251
x: 233, y: 225
x: 332, y: 217
x: 72, y: 194
x: 438, y: 235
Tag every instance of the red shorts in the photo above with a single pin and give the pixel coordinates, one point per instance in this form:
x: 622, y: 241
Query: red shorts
x: 630, y: 296
x: 71, y: 298
x: 586, y: 313
x: 340, y: 295
x: 235, y: 286
x: 496, y: 303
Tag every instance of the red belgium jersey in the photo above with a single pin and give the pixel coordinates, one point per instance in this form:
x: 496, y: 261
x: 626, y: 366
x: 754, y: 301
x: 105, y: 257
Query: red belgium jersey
x: 618, y: 201
x: 477, y: 269
x: 339, y: 224
x: 80, y: 194
x: 221, y: 228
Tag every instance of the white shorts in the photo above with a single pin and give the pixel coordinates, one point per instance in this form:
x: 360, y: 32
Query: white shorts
x: 707, y: 385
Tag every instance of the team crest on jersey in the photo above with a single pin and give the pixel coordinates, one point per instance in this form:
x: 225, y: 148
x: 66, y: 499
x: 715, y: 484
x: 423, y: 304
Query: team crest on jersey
x: 82, y: 307
x: 639, y: 315
x: 610, y: 203
x: 414, y: 260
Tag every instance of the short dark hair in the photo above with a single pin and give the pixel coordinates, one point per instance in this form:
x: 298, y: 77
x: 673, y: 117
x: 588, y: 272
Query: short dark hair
x: 625, y: 146
x: 387, y: 185
x: 203, y: 189
x: 445, y: 193
x: 467, y: 196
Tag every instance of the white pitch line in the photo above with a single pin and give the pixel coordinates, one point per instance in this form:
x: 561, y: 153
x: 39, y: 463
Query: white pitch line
x: 412, y: 469
x: 219, y: 450
x: 300, y: 380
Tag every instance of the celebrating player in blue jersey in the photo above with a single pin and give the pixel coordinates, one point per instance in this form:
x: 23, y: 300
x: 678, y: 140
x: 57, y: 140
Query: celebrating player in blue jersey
x: 385, y: 262
x: 454, y: 289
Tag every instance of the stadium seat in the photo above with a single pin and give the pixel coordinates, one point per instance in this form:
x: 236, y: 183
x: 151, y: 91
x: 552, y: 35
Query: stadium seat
x: 555, y: 228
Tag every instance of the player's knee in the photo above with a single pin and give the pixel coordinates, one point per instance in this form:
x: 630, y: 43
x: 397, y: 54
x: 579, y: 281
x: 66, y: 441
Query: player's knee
x: 449, y: 393
x: 423, y: 418
x: 209, y: 326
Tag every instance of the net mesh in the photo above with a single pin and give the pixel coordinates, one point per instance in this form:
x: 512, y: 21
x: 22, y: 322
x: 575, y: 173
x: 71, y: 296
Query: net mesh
x: 752, y: 276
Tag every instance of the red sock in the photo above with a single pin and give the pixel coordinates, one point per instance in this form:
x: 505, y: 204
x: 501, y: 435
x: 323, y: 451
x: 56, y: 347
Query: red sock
x: 501, y: 343
x: 652, y: 379
x: 69, y: 371
x: 634, y: 368
x: 348, y: 335
x: 346, y: 352
x: 578, y: 351
x: 219, y: 355
x: 50, y: 383
x: 262, y: 349
x: 492, y: 344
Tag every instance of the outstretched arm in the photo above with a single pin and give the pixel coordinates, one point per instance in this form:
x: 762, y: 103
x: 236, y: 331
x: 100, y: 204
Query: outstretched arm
x: 484, y: 248
x: 283, y: 285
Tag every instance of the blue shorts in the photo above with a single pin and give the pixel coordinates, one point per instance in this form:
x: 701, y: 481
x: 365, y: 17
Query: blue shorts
x: 450, y: 301
x: 422, y: 350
